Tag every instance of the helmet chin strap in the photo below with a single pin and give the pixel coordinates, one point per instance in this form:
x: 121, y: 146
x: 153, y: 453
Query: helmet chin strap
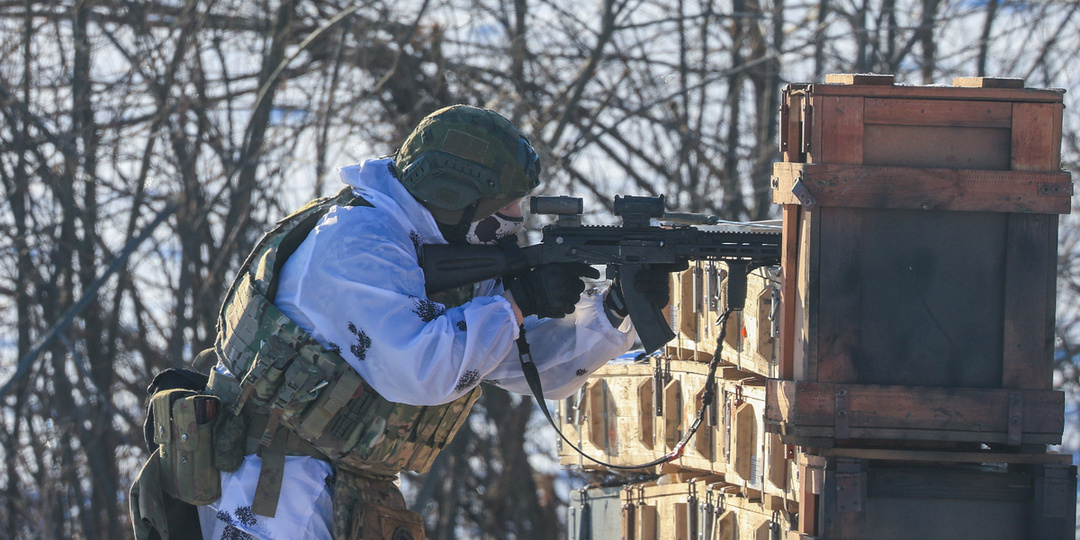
x: 455, y: 234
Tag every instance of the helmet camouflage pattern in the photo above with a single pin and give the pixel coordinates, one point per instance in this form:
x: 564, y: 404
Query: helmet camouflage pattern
x: 461, y: 155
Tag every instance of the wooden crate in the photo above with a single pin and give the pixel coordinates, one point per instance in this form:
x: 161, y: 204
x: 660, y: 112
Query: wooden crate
x: 697, y: 509
x: 595, y: 513
x: 854, y: 495
x: 608, y: 420
x: 628, y: 414
x: 699, y: 296
x: 920, y: 244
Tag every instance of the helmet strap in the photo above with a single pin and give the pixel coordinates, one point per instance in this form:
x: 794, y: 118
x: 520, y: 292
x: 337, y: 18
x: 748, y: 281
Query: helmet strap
x: 455, y: 234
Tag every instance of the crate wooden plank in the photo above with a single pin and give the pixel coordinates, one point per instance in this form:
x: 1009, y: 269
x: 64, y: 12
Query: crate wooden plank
x: 876, y: 79
x: 808, y: 303
x: 920, y: 112
x: 610, y: 424
x: 930, y: 288
x: 953, y: 457
x: 791, y: 127
x: 647, y: 421
x: 1030, y: 283
x: 988, y: 82
x: 812, y: 135
x: 842, y: 238
x: 810, y: 410
x: 1035, y: 95
x: 840, y: 122
x: 596, y: 401
x: 945, y: 147
x: 688, y: 323
x: 910, y: 188
x: 673, y: 414
x: 777, y: 470
x: 789, y: 273
x: 704, y: 441
x: 811, y: 486
x: 646, y: 518
x: 1036, y: 139
x: 744, y: 431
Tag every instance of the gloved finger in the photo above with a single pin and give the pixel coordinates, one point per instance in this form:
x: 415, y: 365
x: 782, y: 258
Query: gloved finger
x: 572, y: 292
x: 563, y: 307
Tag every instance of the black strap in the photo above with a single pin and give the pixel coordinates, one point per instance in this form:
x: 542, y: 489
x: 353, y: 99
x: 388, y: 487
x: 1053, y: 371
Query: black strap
x: 532, y: 376
x: 585, y: 522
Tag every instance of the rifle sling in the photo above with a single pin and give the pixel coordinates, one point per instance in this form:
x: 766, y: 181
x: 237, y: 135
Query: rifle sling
x: 532, y: 376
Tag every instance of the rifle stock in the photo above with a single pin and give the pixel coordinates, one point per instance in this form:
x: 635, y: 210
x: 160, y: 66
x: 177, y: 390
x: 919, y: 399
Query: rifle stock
x: 446, y: 266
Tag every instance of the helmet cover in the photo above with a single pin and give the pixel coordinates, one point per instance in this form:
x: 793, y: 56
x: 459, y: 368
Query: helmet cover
x: 463, y: 155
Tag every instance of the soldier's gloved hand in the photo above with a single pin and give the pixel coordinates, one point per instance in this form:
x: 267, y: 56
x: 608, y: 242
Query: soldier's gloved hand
x: 651, y: 282
x: 550, y: 290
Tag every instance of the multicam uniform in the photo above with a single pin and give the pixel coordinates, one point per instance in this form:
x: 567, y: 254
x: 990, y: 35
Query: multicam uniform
x: 355, y: 286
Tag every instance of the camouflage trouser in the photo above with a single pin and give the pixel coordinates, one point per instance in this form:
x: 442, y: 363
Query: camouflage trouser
x: 372, y: 508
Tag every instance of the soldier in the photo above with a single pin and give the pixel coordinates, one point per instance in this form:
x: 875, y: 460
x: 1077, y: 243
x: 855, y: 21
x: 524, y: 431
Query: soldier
x: 335, y: 371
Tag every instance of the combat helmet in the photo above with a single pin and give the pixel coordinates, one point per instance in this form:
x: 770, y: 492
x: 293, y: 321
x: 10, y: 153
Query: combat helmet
x: 464, y: 163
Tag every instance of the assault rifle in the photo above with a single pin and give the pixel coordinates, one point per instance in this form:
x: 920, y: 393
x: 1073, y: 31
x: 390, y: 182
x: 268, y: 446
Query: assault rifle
x: 623, y: 248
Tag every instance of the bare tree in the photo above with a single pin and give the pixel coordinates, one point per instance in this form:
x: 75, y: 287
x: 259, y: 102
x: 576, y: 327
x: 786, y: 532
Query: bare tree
x: 147, y: 145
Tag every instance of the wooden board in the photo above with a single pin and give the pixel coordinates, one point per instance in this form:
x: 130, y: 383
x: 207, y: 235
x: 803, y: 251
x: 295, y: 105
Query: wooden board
x: 877, y: 79
x: 841, y: 121
x: 988, y: 82
x: 912, y: 188
x: 789, y: 287
x: 824, y: 415
x: 922, y: 112
x: 1034, y: 95
x: 1036, y: 137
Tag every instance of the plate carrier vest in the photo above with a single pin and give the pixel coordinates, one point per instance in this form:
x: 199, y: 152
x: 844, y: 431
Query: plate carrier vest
x: 298, y: 398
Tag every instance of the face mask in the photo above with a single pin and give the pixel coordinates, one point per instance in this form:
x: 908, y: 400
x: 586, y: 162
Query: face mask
x: 494, y: 228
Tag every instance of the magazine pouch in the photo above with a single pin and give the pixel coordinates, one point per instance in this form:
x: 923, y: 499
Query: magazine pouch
x: 184, y: 432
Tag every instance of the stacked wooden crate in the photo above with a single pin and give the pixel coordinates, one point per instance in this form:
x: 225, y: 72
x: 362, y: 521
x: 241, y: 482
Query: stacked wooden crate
x: 690, y: 510
x: 736, y: 479
x: 894, y: 378
x: 915, y: 370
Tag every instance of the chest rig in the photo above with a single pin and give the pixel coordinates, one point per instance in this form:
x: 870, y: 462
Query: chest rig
x: 296, y: 397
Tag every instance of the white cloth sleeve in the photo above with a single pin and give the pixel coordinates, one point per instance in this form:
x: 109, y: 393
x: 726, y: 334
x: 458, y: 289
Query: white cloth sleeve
x: 356, y: 286
x: 566, y: 351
